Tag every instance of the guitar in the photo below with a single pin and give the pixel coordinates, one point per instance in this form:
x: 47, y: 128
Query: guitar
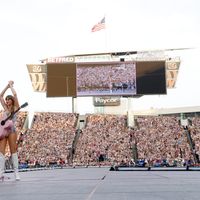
x: 7, y: 123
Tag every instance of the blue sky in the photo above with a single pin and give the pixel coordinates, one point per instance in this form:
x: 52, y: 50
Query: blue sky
x: 35, y: 29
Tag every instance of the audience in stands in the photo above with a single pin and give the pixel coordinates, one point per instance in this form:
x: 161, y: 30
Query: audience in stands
x: 105, y: 140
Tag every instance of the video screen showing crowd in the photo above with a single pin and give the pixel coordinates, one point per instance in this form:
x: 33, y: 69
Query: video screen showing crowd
x: 106, y: 79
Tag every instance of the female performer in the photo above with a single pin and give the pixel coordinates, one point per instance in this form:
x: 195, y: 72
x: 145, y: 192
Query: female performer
x: 10, y: 104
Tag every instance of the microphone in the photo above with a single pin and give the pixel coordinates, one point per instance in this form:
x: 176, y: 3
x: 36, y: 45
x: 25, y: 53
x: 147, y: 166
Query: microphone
x: 11, y: 115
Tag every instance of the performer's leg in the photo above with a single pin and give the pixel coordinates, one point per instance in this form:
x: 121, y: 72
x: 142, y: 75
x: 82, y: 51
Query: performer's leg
x: 12, y: 139
x: 15, y: 162
x: 2, y: 165
x: 2, y: 157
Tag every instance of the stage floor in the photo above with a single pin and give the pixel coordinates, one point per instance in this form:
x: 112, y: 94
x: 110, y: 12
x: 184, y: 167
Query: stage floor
x: 101, y: 183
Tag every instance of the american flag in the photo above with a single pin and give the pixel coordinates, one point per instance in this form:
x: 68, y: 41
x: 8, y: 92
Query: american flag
x: 100, y: 25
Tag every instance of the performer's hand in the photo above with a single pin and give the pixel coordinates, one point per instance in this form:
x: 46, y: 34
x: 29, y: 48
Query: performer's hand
x: 10, y: 83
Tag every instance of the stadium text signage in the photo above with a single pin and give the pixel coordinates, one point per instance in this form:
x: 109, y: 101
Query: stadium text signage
x: 106, y: 101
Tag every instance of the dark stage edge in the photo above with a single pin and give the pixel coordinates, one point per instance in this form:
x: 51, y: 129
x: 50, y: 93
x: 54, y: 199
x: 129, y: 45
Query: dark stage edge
x: 96, y: 183
x: 155, y: 169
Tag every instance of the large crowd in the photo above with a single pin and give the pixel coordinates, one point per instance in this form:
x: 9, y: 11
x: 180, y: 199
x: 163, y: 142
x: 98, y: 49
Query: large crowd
x: 162, y: 137
x: 194, y: 129
x: 49, y: 139
x: 104, y: 140
x: 106, y: 77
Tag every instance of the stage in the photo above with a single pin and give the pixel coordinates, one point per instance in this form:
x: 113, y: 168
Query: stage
x: 97, y: 183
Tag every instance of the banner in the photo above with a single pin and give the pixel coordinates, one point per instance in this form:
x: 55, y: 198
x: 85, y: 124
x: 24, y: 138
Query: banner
x: 172, y: 69
x: 38, y: 76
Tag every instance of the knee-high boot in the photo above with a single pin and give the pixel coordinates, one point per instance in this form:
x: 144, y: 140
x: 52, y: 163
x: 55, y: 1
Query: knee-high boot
x: 2, y: 166
x: 15, y: 162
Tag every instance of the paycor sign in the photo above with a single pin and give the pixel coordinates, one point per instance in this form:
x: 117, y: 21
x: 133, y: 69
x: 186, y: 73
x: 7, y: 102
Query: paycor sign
x: 106, y: 101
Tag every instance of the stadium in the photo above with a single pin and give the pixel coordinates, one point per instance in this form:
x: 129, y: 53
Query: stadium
x: 114, y: 138
x: 110, y: 101
x: 114, y: 135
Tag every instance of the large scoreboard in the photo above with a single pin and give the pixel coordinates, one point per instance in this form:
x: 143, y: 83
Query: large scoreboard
x: 106, y: 78
x: 122, y: 73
